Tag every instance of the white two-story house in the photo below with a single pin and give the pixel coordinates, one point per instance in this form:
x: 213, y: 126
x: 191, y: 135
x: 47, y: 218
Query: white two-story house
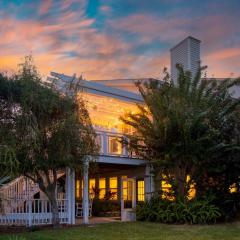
x: 119, y: 173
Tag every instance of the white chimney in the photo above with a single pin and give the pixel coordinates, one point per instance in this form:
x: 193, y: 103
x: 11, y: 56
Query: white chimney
x: 186, y: 53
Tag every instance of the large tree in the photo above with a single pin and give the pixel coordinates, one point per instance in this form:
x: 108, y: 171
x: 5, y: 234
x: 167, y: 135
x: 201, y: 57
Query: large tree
x: 52, y: 131
x: 178, y: 129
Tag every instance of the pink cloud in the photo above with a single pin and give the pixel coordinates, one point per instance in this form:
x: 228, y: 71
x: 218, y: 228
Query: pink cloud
x: 224, y: 54
x: 103, y: 55
x: 223, y: 62
x: 105, y: 9
x: 45, y: 6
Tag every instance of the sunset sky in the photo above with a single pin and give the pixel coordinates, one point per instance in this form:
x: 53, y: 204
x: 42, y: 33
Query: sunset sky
x: 118, y: 38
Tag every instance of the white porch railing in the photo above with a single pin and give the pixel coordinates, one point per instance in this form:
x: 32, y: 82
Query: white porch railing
x: 32, y: 212
x: 20, y: 188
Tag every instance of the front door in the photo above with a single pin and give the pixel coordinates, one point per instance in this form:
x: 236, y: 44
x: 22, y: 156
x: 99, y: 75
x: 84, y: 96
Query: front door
x: 128, y: 199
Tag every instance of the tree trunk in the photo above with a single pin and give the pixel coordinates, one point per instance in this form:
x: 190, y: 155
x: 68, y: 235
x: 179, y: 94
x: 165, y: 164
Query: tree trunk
x: 49, y: 188
x: 180, y: 190
x: 50, y: 191
x: 55, y: 213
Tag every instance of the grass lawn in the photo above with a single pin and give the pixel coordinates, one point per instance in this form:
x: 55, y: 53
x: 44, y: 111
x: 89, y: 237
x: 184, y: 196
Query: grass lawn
x: 135, y: 231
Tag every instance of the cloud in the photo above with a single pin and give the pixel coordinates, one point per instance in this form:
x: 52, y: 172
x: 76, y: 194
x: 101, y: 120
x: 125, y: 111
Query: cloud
x: 105, y: 9
x: 150, y: 28
x: 223, y: 62
x: 45, y: 7
x: 62, y: 37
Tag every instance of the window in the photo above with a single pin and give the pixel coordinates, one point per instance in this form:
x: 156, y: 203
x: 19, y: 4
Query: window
x: 78, y: 189
x: 99, y: 142
x: 140, y: 190
x: 167, y: 190
x: 113, y: 187
x: 102, y: 188
x: 127, y: 190
x: 92, y: 184
x: 115, y: 147
x: 233, y: 188
x: 192, y: 189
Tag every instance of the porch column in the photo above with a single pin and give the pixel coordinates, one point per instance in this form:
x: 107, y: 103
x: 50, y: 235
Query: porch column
x: 70, y: 195
x: 148, y: 182
x: 85, y: 193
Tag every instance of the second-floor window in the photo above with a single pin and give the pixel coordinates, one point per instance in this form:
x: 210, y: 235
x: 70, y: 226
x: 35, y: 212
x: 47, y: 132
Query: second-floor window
x: 114, y: 145
x: 99, y: 142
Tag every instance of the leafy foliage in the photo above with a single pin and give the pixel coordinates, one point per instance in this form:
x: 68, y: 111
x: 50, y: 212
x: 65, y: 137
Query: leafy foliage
x: 180, y: 128
x: 164, y: 211
x: 101, y: 207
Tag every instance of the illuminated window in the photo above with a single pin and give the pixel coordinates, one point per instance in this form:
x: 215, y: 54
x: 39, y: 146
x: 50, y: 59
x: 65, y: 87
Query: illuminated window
x: 192, y: 189
x: 113, y: 187
x: 102, y: 188
x: 78, y: 189
x: 99, y: 142
x: 167, y: 190
x: 140, y: 190
x: 127, y: 190
x: 92, y: 184
x: 233, y: 188
x: 115, y: 147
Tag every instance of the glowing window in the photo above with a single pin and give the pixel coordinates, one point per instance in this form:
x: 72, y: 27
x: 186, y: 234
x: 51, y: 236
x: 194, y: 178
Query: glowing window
x: 140, y: 190
x: 167, y: 190
x: 78, y: 189
x: 233, y: 188
x: 92, y: 184
x: 127, y: 190
x: 115, y: 147
x: 102, y: 188
x: 113, y: 187
x: 192, y: 189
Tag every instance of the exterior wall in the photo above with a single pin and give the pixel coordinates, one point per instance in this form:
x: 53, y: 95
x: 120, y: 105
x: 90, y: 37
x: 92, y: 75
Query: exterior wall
x: 194, y: 55
x: 186, y: 53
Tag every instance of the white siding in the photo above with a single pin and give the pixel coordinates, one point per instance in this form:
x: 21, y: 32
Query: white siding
x: 186, y: 53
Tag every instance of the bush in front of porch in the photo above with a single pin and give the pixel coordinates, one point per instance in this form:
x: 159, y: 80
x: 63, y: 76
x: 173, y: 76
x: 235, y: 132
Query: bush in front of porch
x: 165, y: 211
x: 108, y: 208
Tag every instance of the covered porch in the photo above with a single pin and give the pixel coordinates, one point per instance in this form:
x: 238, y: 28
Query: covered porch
x: 112, y: 190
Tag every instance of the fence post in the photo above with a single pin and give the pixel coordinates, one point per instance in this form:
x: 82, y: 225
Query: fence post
x: 30, y: 216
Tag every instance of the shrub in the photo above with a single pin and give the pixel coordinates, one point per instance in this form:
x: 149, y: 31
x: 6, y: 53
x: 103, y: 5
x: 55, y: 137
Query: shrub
x: 16, y: 238
x: 100, y: 207
x: 164, y: 211
x: 229, y: 204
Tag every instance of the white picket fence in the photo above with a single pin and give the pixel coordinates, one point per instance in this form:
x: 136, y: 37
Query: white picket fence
x: 31, y: 212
